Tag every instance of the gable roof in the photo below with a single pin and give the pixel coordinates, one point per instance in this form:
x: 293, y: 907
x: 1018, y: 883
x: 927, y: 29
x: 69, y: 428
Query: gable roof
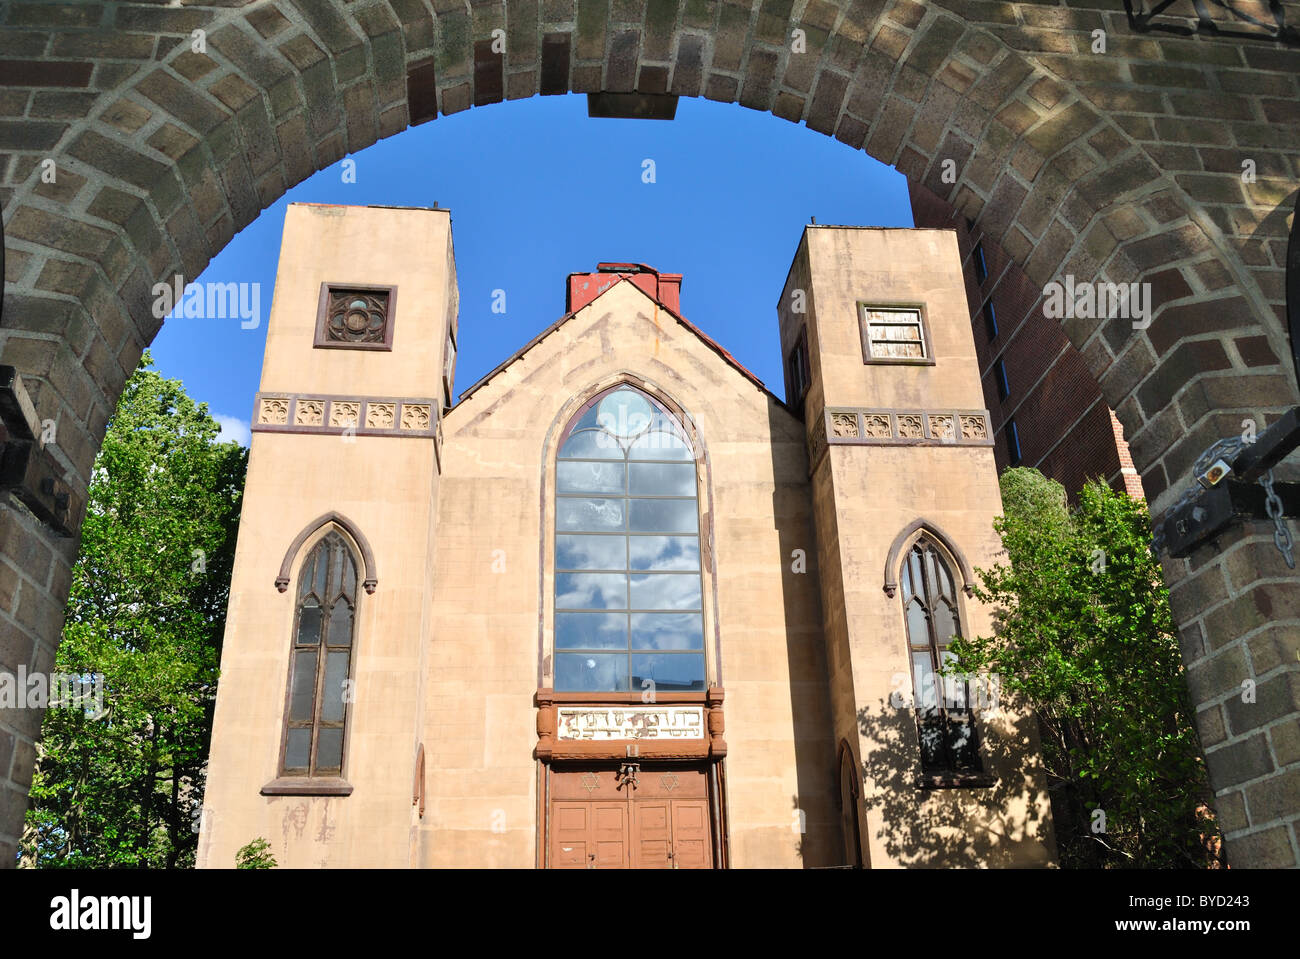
x: 704, y: 337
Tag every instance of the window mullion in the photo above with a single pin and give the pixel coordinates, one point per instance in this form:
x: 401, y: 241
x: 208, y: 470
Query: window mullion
x: 322, y: 655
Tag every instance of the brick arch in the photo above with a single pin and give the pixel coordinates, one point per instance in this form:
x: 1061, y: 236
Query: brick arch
x: 1124, y: 165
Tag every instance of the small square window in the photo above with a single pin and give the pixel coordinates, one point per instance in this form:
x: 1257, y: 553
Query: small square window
x: 1013, y: 443
x: 1004, y: 388
x: 893, y: 333
x: 355, y: 317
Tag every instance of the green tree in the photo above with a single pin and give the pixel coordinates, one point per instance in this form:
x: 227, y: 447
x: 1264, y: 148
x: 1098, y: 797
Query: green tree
x: 256, y: 855
x: 147, y: 611
x: 1084, y: 636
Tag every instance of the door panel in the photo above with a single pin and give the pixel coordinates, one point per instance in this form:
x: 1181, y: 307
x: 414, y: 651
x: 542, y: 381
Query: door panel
x: 652, y: 827
x: 691, y: 847
x: 662, y: 823
x: 570, y: 828
x: 589, y: 834
x: 611, y: 835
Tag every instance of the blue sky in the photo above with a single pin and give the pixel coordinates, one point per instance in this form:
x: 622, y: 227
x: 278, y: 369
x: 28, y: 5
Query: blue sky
x: 538, y: 190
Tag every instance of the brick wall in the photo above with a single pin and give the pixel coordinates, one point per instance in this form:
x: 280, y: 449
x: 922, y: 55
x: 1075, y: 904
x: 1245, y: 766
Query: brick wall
x: 1064, y: 426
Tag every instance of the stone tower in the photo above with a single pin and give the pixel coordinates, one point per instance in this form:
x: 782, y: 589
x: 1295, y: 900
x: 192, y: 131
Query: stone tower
x: 879, y: 355
x: 345, y: 450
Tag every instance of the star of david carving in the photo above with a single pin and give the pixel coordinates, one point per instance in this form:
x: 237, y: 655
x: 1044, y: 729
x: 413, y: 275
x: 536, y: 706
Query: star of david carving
x: 590, y: 781
x: 668, y: 781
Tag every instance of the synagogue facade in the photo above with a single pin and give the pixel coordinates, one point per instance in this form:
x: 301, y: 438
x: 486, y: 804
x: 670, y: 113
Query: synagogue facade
x: 618, y: 605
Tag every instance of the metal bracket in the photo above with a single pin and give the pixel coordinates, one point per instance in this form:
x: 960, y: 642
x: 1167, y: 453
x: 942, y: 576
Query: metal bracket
x: 627, y: 775
x: 1226, y: 496
x: 27, y: 470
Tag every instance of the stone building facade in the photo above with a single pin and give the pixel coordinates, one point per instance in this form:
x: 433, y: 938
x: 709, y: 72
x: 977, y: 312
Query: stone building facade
x: 619, y: 605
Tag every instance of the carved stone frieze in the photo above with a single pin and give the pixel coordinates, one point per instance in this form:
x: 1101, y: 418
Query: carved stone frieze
x: 870, y: 427
x: 380, y: 415
x: 334, y: 415
x: 844, y: 424
x: 273, y: 410
x: 909, y: 426
x: 942, y: 426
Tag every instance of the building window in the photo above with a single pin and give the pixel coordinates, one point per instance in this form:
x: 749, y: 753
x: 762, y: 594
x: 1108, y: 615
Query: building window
x: 990, y: 320
x: 448, y: 371
x: 981, y: 268
x: 355, y: 317
x: 1013, y: 443
x: 1004, y: 388
x: 945, y: 722
x: 797, y: 372
x: 893, y: 334
x: 320, y: 667
x: 628, y: 589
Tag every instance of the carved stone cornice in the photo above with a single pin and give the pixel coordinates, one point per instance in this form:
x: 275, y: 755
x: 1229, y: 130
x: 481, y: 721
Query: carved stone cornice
x: 336, y: 415
x: 878, y: 426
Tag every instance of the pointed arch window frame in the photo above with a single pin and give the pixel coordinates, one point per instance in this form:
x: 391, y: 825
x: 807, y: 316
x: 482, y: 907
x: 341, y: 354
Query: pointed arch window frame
x: 574, y: 423
x: 295, y: 782
x: 939, y: 719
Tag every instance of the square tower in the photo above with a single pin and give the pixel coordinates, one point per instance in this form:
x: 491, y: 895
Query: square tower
x: 880, y: 360
x: 330, y: 617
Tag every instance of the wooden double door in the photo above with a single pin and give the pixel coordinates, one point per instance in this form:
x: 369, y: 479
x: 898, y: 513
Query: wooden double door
x: 601, y: 818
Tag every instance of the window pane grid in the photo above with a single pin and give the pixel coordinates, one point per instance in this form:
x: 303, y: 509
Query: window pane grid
x: 616, y: 640
x: 945, y: 723
x: 321, y: 661
x: 893, y: 333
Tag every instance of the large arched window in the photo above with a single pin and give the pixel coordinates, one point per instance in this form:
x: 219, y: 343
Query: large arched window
x: 628, y: 588
x: 933, y: 615
x: 321, y: 660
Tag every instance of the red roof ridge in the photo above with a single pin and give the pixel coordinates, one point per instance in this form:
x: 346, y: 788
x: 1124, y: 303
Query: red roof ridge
x: 708, y: 341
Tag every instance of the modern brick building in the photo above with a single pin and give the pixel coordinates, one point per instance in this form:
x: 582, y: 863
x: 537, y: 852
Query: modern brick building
x: 619, y: 605
x: 1046, y: 406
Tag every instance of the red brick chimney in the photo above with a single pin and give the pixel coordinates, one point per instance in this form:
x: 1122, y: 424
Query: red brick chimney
x: 665, y: 288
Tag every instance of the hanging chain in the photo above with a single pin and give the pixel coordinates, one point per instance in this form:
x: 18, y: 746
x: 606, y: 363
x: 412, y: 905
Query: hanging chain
x: 1273, y: 506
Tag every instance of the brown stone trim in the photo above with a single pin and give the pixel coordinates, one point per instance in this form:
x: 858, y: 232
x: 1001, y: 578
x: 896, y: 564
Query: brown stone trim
x: 863, y: 336
x: 345, y: 524
x: 322, y: 342
x: 302, y: 786
x: 285, y: 413
x: 892, y: 564
x: 549, y: 747
x: 861, y: 426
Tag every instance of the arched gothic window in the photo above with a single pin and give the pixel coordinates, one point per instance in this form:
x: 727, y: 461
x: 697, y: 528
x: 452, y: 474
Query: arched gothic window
x: 933, y: 615
x: 321, y: 660
x: 628, y: 588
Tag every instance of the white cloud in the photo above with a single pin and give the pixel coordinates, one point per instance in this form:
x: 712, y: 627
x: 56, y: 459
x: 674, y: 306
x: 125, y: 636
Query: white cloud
x: 233, y: 429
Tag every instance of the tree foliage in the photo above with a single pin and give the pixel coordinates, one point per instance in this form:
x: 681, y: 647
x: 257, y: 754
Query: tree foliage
x: 147, y: 610
x: 1085, y: 637
x: 256, y: 855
